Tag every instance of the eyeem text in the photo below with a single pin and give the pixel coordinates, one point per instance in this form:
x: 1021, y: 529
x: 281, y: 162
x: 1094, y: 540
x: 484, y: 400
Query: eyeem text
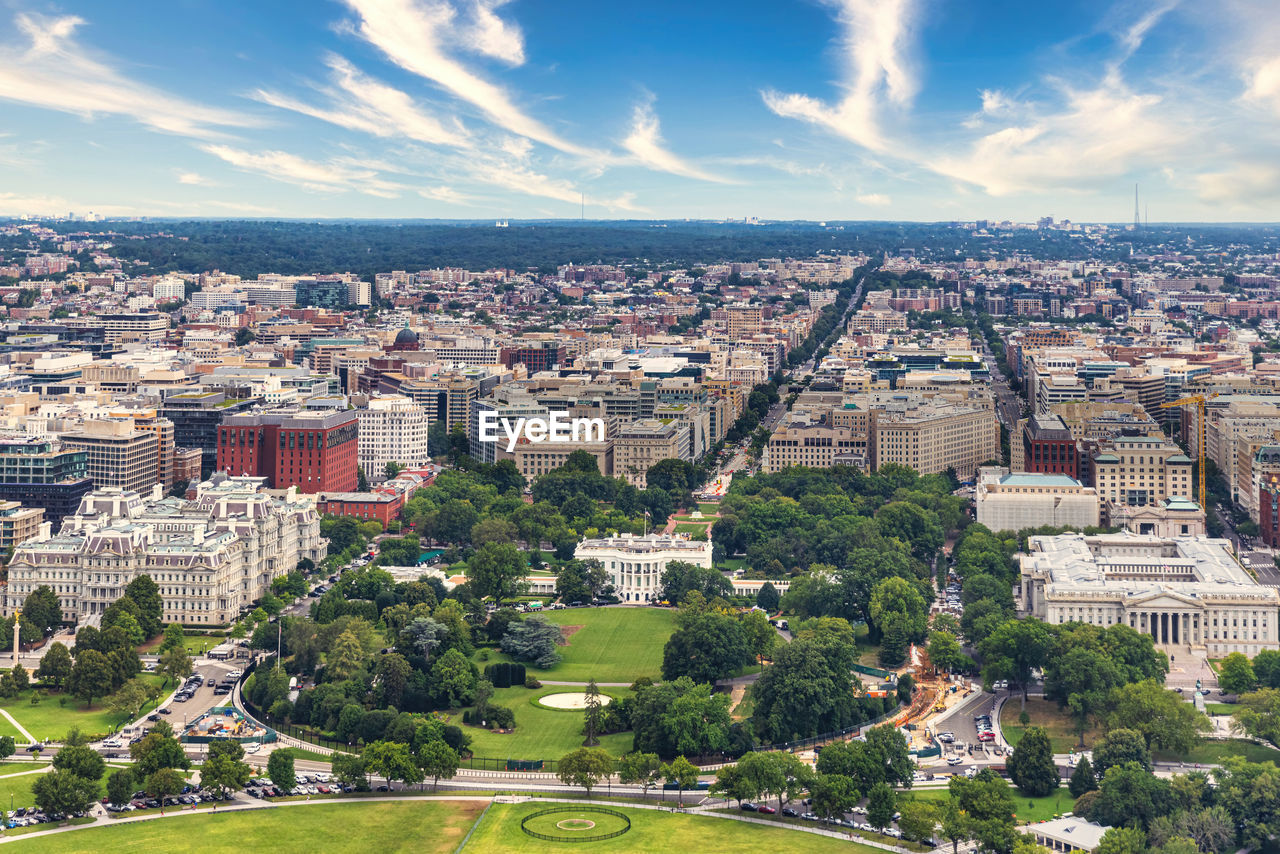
x: 557, y: 428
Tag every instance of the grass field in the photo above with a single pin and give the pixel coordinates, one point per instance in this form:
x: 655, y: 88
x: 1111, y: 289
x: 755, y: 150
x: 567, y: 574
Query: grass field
x: 540, y: 733
x: 52, y: 720
x: 1043, y: 713
x: 709, y: 509
x: 1212, y: 751
x: 499, y: 833
x: 420, y: 827
x: 15, y: 787
x: 608, y: 645
x: 1028, y: 810
x: 691, y: 528
x: 1220, y: 709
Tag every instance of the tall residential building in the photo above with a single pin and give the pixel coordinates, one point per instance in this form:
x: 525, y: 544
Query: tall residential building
x: 119, y: 454
x: 18, y: 523
x: 42, y: 472
x: 744, y: 321
x: 392, y: 430
x: 314, y: 451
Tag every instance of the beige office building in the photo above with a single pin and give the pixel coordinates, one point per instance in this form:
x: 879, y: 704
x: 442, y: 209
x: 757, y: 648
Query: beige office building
x: 119, y: 454
x: 932, y: 438
x: 642, y: 444
x: 1141, y: 470
x: 1011, y: 502
x: 744, y: 321
x: 804, y: 443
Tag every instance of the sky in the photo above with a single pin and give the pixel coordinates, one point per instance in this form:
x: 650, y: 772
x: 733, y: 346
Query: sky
x: 508, y: 109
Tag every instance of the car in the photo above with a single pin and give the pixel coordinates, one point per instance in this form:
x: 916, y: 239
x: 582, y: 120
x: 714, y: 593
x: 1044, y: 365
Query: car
x: 235, y: 674
x: 790, y: 813
x: 946, y: 737
x: 165, y: 711
x: 747, y: 806
x: 324, y: 789
x: 767, y: 810
x: 955, y: 760
x: 809, y: 816
x: 112, y: 742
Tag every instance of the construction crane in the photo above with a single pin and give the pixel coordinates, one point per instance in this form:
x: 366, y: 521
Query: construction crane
x: 1198, y: 401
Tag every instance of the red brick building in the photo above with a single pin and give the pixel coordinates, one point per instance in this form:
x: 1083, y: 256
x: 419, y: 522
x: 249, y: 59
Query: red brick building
x: 1048, y: 448
x: 314, y: 451
x: 361, y: 505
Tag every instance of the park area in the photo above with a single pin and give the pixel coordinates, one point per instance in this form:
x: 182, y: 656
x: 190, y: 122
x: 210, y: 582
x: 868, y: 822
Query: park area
x: 1027, y: 810
x: 541, y: 732
x: 605, y: 644
x: 652, y: 830
x: 426, y: 828
x: 1044, y: 713
x: 56, y: 713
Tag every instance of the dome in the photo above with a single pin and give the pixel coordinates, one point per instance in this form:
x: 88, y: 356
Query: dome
x: 406, y: 336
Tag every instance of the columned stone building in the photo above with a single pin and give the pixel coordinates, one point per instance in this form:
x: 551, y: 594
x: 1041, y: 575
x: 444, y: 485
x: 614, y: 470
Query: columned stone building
x: 1188, y: 593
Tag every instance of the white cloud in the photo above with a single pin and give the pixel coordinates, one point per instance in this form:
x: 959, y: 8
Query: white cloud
x: 417, y: 34
x: 56, y: 72
x: 492, y: 36
x: 194, y: 178
x: 362, y: 103
x: 645, y: 144
x: 1245, y: 184
x: 1262, y: 82
x: 875, y: 41
x: 332, y: 176
x: 874, y: 199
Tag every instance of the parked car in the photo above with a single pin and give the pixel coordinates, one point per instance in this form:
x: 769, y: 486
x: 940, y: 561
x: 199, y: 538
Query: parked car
x: 767, y: 810
x: 747, y: 806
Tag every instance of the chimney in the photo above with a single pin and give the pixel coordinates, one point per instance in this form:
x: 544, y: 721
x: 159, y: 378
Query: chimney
x: 197, y: 536
x: 157, y: 492
x: 46, y: 530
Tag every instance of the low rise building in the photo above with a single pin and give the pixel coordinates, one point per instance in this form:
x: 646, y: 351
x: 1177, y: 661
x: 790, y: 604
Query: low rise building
x: 1011, y: 502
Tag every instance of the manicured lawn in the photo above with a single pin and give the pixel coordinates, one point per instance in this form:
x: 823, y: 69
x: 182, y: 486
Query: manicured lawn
x: 1043, y: 713
x: 310, y: 755
x: 16, y: 789
x: 540, y: 733
x: 693, y: 529
x: 1220, y: 709
x: 732, y: 563
x: 709, y: 509
x: 1212, y: 751
x: 500, y: 833
x: 1027, y: 810
x: 374, y: 826
x: 51, y: 719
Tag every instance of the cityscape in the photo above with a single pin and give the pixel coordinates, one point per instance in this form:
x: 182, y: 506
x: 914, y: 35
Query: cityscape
x: 485, y: 478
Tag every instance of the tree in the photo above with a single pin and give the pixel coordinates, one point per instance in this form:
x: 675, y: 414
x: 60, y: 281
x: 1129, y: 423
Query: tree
x: 158, y: 749
x: 497, y: 570
x: 593, y: 715
x: 683, y: 773
x: 120, y: 786
x: 1014, y: 650
x: 164, y: 783
x: 345, y: 657
x: 55, y: 667
x: 7, y: 746
x: 706, y: 646
x: 393, y: 761
x: 81, y: 761
x: 362, y: 480
x: 175, y: 663
x: 350, y: 770
x: 945, y: 652
x: 768, y: 598
x: 1130, y: 795
x: 1235, y: 674
x: 918, y: 819
x: 956, y: 825
x: 1031, y: 766
x: 1165, y: 721
x: 759, y: 634
x: 533, y: 640
x: 987, y: 802
x: 174, y: 636
x: 280, y: 769
x: 1081, y: 679
x: 42, y: 609
x: 1266, y: 667
x: 1122, y: 840
x: 833, y: 795
x: 63, y: 793
x: 641, y: 769
x: 1118, y: 747
x: 1082, y: 778
x: 144, y: 593
x: 807, y: 691
x: 90, y: 677
x: 225, y: 768
x: 585, y: 767
x: 454, y: 677
x: 1259, y: 714
x: 437, y: 759
x: 244, y: 335
x: 881, y: 805
x: 762, y: 775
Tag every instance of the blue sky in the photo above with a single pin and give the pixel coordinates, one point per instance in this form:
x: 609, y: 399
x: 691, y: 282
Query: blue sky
x: 848, y: 109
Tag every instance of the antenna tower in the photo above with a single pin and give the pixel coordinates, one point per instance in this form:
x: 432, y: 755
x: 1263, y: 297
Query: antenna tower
x: 1137, y: 218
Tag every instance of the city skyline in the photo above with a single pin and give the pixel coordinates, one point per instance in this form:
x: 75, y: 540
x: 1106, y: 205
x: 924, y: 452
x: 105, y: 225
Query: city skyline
x: 852, y: 110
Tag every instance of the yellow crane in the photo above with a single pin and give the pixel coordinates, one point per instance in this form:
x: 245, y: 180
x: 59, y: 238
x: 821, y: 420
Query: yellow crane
x: 1198, y: 401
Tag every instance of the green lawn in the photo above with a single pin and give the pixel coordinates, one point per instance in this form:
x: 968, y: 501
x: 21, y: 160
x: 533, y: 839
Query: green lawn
x: 51, y: 719
x: 15, y: 788
x: 1027, y: 810
x: 1043, y: 713
x: 709, y: 509
x: 499, y: 833
x: 1213, y: 751
x: 1220, y: 709
x: 540, y: 733
x: 608, y: 644
x: 428, y: 828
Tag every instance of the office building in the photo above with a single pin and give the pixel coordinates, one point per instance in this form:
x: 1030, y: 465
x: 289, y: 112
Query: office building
x: 42, y: 472
x: 1012, y: 502
x: 642, y: 444
x: 314, y: 451
x: 196, y: 416
x: 392, y: 430
x: 118, y: 453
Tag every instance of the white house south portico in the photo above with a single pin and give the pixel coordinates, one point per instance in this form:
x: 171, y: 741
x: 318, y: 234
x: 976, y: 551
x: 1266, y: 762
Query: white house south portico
x: 1187, y: 593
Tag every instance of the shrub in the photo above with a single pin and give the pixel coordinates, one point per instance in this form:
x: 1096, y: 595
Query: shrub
x: 532, y: 683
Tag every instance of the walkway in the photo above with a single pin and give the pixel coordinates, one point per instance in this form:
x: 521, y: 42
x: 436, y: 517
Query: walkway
x: 31, y: 739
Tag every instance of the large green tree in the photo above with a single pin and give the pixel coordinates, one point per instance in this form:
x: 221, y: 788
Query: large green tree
x: 64, y: 793
x: 706, y: 646
x: 1164, y: 719
x: 1235, y: 674
x: 1031, y: 766
x: 585, y: 767
x: 1015, y: 650
x: 497, y: 570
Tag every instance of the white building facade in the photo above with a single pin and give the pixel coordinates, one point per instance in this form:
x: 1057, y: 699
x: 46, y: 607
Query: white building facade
x: 635, y: 564
x: 392, y: 430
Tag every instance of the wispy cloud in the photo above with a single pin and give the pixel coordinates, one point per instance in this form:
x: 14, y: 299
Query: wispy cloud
x: 193, y: 178
x: 417, y: 35
x: 328, y: 176
x: 878, y: 200
x: 646, y: 145
x: 53, y: 70
x: 359, y: 102
x: 875, y: 39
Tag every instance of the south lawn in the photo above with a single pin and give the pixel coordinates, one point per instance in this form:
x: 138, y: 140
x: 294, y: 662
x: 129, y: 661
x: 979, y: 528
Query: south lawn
x: 499, y: 833
x: 606, y: 644
x: 425, y: 828
x: 540, y: 733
